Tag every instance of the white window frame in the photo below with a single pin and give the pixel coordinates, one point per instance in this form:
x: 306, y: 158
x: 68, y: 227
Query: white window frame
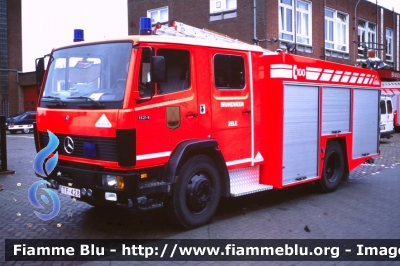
x: 285, y: 26
x: 217, y: 6
x: 338, y: 26
x: 303, y: 25
x: 389, y: 44
x: 364, y: 28
x: 157, y: 13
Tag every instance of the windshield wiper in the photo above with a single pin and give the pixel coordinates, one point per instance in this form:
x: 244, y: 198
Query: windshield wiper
x: 100, y: 105
x: 57, y: 99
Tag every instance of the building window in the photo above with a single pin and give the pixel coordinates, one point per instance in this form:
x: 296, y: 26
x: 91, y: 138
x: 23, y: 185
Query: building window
x: 336, y: 30
x: 158, y: 15
x: 366, y: 35
x: 389, y: 45
x: 303, y: 21
x: 217, y: 6
x: 222, y: 9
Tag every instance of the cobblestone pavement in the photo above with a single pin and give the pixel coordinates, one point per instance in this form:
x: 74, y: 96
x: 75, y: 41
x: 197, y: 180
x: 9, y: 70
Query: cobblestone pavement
x: 367, y: 206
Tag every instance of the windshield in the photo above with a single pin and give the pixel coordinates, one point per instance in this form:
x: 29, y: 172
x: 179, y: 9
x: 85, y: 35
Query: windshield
x: 90, y: 76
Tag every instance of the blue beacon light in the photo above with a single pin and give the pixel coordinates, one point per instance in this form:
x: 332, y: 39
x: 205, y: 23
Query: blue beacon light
x: 145, y: 26
x: 78, y: 35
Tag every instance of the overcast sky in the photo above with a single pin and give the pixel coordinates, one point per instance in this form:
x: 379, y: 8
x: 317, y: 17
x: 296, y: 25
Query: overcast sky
x: 50, y: 23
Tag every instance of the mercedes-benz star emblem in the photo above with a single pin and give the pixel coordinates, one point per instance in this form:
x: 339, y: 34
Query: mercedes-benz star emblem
x: 68, y: 145
x: 66, y: 118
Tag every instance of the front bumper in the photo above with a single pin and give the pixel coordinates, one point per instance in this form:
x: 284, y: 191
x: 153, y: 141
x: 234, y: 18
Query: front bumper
x: 80, y: 176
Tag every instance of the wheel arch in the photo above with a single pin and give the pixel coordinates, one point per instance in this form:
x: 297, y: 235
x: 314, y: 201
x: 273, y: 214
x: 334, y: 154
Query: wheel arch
x: 189, y: 148
x: 343, y: 144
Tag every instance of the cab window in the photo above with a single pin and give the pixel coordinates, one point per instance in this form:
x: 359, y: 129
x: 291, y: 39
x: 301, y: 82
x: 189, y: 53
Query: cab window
x: 229, y: 72
x: 144, y: 75
x: 177, y: 67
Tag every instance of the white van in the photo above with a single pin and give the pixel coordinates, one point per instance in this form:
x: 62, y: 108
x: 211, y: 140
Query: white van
x: 392, y: 89
x: 386, y: 122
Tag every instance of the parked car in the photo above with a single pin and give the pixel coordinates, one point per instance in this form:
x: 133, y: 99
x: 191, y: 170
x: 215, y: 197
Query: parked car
x: 22, y: 122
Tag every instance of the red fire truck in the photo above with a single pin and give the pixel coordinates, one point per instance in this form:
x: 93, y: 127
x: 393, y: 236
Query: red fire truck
x: 180, y: 121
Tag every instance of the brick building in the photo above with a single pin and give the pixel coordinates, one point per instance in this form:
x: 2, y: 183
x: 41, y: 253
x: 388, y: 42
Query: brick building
x: 333, y: 30
x: 11, y: 95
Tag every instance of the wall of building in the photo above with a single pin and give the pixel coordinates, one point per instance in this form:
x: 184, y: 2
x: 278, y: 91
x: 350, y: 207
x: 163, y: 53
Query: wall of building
x: 197, y: 14
x: 15, y: 94
x: 241, y: 26
x: 10, y: 56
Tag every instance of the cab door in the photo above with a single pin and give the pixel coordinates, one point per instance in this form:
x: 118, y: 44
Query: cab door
x: 386, y: 123
x: 231, y: 106
x: 170, y: 115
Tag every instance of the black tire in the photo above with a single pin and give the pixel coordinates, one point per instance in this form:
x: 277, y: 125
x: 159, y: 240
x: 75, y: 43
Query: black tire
x: 196, y: 194
x: 26, y: 130
x: 333, y: 167
x: 13, y: 131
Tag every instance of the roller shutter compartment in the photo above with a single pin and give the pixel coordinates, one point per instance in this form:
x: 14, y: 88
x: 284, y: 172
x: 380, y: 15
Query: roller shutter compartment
x: 335, y: 110
x: 300, y: 140
x: 366, y: 122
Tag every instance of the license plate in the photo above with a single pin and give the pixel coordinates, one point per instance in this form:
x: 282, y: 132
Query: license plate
x: 383, y: 127
x: 74, y: 192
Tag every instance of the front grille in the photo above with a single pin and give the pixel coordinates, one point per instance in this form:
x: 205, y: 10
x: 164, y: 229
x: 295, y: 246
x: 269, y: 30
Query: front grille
x: 106, y: 148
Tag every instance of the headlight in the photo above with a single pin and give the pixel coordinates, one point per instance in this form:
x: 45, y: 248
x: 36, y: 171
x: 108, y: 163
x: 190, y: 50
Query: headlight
x: 113, y: 181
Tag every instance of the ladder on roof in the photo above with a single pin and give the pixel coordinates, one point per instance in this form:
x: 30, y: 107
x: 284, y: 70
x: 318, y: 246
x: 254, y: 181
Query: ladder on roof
x: 183, y: 30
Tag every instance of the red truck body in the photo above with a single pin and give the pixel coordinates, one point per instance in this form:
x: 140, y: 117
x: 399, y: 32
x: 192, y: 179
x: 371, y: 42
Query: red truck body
x: 194, y: 120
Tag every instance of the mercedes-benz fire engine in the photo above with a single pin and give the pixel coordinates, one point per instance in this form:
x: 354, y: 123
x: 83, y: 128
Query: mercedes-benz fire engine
x: 170, y: 119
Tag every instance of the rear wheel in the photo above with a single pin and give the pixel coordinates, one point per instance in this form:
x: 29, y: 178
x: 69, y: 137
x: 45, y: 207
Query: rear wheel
x: 197, y: 192
x: 26, y: 130
x: 333, y: 167
x: 13, y: 131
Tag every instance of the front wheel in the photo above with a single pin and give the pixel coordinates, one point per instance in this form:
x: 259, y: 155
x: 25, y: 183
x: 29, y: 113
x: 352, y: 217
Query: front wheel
x: 333, y: 167
x: 26, y: 130
x: 197, y: 192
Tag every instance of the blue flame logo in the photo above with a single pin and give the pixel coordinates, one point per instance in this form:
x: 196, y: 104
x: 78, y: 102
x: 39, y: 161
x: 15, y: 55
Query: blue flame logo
x: 43, y: 166
x: 44, y: 153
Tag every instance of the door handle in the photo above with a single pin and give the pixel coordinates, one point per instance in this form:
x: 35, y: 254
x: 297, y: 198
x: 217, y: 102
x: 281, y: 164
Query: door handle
x: 246, y: 112
x: 191, y: 115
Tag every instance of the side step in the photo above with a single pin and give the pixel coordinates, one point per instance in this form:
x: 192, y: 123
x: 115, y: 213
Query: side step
x: 246, y: 181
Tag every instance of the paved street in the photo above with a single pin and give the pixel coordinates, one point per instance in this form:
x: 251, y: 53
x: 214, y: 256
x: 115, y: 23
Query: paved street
x: 367, y: 206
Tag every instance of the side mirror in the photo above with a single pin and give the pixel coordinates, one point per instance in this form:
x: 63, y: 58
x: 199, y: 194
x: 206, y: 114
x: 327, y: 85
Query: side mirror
x: 157, y: 69
x: 39, y: 73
